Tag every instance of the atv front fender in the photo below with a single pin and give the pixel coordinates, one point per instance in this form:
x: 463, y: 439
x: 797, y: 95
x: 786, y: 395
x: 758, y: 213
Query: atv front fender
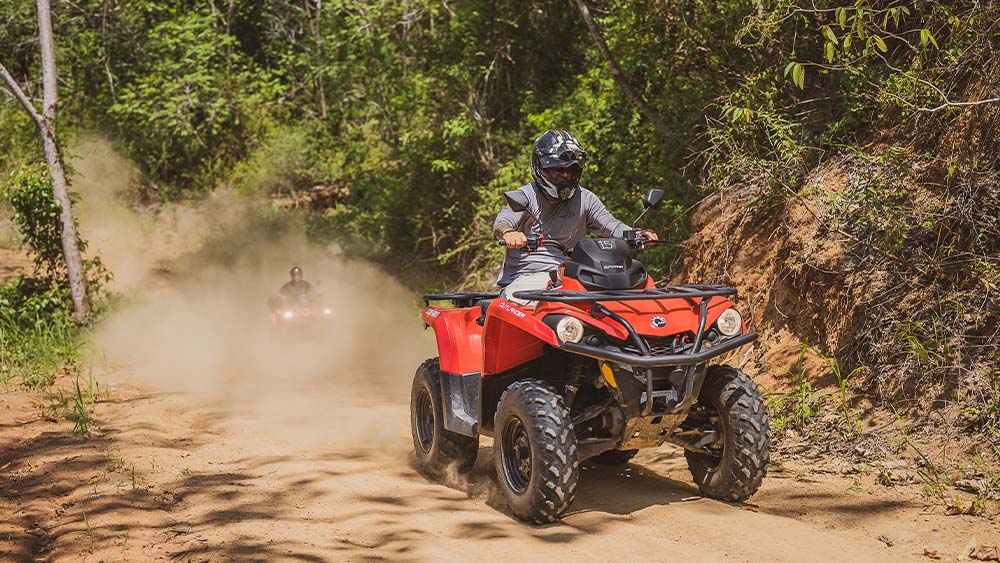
x: 513, y: 337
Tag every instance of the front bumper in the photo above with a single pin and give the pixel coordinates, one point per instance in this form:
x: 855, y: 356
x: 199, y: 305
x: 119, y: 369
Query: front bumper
x: 692, y: 358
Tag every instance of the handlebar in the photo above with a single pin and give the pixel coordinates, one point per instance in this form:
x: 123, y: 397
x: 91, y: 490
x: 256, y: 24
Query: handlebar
x: 534, y: 241
x: 537, y: 241
x: 636, y: 239
x: 633, y: 237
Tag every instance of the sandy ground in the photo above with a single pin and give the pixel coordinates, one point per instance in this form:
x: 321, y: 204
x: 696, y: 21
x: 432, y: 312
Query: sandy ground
x: 214, y: 441
x: 164, y: 479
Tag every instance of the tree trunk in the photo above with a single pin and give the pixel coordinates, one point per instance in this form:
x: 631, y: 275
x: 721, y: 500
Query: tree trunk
x: 50, y: 110
x: 46, y: 123
x: 316, y: 25
x: 616, y: 71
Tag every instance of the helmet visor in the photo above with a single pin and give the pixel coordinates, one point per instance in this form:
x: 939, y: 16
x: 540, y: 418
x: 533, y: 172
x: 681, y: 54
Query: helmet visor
x: 561, y: 172
x: 564, y: 159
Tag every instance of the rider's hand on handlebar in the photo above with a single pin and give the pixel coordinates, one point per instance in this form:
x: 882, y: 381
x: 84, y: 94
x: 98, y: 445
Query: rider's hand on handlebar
x: 648, y: 235
x: 515, y: 239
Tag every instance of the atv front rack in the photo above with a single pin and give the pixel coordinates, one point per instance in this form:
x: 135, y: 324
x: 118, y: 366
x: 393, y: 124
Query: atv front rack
x: 691, y: 359
x: 686, y: 291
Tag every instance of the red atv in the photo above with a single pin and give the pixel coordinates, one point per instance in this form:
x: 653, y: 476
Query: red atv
x: 289, y: 313
x: 603, y: 364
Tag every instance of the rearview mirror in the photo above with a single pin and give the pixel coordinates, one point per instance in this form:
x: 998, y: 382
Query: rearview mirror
x: 517, y: 200
x: 653, y: 198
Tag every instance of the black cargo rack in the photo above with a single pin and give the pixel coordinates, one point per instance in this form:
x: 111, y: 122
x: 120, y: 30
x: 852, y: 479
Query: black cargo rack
x: 466, y: 299
x: 699, y: 294
x: 686, y: 291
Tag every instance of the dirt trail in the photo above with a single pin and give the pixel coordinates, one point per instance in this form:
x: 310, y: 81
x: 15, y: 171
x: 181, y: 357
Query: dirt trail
x: 217, y: 440
x: 168, y: 478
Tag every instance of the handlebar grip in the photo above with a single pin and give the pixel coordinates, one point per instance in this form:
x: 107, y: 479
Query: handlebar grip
x: 533, y: 242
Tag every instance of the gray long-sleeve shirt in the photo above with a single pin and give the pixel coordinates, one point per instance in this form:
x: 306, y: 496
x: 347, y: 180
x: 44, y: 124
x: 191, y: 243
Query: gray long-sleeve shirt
x: 564, y: 221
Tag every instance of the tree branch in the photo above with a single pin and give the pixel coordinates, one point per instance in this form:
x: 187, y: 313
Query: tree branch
x: 15, y: 89
x: 616, y: 71
x: 948, y: 104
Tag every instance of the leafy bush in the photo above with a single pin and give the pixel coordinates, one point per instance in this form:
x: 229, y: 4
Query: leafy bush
x: 38, y: 341
x: 190, y: 108
x: 36, y: 214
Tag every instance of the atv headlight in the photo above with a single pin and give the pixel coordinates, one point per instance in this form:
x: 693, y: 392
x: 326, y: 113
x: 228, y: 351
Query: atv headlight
x: 730, y: 322
x: 569, y: 329
x: 287, y: 315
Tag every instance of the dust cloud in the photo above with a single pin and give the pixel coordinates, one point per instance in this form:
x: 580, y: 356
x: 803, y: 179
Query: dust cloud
x: 134, y: 242
x: 196, y: 322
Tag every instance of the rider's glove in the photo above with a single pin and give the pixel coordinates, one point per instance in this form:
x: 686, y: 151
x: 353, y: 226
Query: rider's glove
x: 515, y: 239
x: 647, y: 235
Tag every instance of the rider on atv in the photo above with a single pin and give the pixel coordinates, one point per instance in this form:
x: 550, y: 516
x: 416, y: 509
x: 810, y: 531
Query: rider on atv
x: 566, y: 210
x: 298, y: 291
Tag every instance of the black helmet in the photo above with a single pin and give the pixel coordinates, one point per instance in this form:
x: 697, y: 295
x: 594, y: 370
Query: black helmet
x: 557, y: 163
x: 295, y: 271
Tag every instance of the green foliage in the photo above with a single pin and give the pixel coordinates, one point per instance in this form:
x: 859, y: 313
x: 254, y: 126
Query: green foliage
x: 25, y: 299
x: 424, y: 111
x: 18, y: 136
x: 36, y: 213
x: 797, y: 408
x: 186, y: 111
x: 38, y: 341
x: 289, y: 158
x: 82, y: 404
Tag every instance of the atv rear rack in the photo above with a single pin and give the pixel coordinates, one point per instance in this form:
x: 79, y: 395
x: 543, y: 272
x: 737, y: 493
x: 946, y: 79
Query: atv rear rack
x: 466, y: 299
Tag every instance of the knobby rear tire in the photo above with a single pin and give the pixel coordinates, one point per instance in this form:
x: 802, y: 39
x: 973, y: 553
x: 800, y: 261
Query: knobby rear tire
x: 437, y: 449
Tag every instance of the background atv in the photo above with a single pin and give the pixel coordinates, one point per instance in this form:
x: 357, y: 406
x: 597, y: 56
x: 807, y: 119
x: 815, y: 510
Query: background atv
x: 603, y: 364
x: 299, y: 317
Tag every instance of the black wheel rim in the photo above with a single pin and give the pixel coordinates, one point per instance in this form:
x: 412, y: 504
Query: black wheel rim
x: 515, y: 455
x: 424, y: 419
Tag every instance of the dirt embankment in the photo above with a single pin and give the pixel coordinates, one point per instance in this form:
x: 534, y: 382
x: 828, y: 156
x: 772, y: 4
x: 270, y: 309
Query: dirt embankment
x: 886, y: 264
x: 887, y: 257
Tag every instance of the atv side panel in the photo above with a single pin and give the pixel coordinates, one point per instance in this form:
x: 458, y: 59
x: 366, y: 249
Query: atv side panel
x: 459, y: 338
